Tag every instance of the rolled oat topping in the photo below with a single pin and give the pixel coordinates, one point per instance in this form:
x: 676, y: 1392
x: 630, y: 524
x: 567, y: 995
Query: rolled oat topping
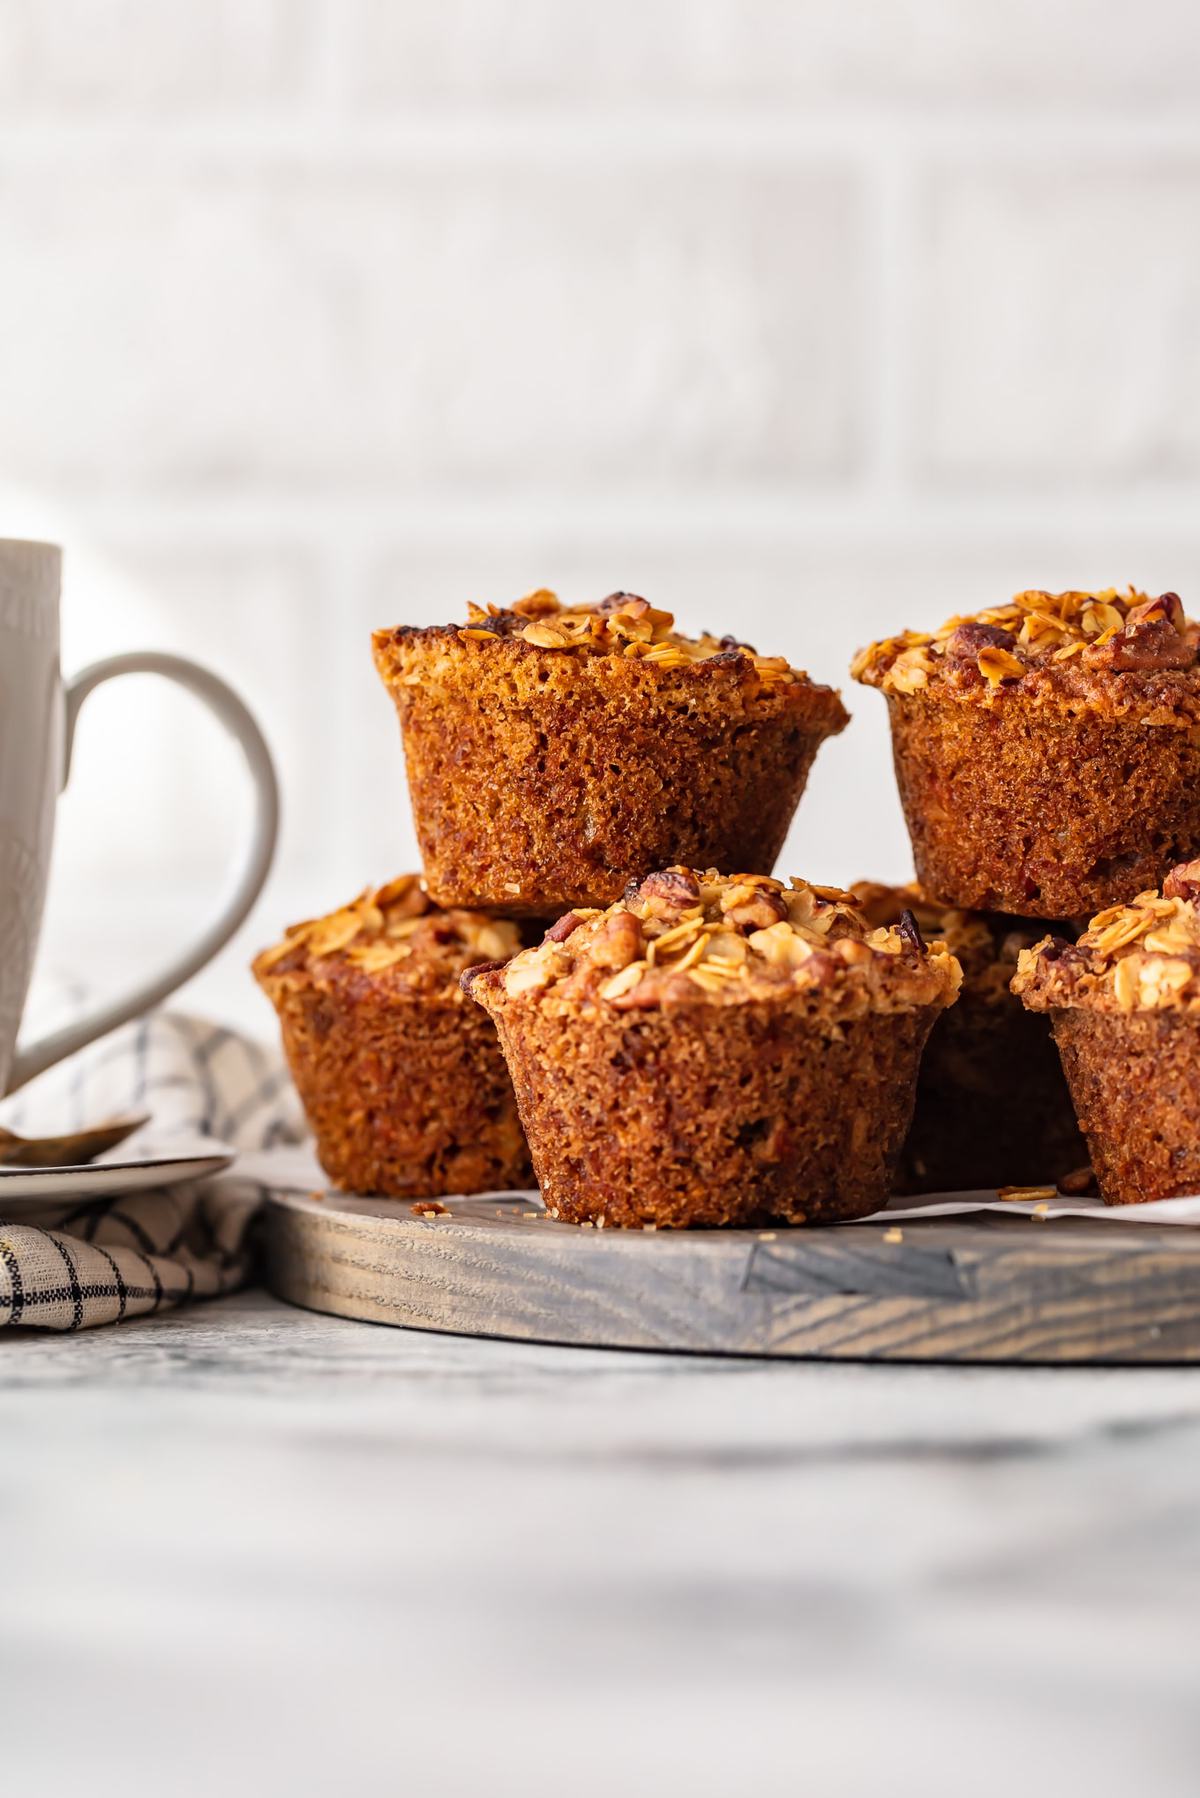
x: 1144, y: 956
x: 680, y: 937
x: 987, y: 944
x: 624, y: 624
x: 394, y: 931
x: 1045, y: 644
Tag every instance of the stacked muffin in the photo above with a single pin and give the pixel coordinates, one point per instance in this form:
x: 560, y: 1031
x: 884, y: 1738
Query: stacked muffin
x: 692, y: 1041
x: 557, y: 753
x: 1048, y: 758
x: 717, y: 1050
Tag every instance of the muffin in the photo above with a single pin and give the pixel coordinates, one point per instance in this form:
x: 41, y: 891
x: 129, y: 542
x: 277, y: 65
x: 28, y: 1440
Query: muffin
x: 717, y: 1050
x: 987, y: 1062
x: 555, y: 753
x: 403, y: 1083
x: 1125, y: 1005
x: 1048, y: 751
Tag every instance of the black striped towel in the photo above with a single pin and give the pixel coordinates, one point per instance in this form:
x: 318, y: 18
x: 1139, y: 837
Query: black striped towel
x: 70, y: 1265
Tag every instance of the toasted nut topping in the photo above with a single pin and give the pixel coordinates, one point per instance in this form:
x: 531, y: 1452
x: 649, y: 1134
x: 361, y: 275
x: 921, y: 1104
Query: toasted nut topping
x: 641, y: 954
x: 910, y: 671
x: 667, y: 893
x: 678, y: 939
x: 394, y: 930
x: 546, y: 636
x: 622, y: 982
x: 986, y: 944
x: 780, y: 945
x: 558, y: 933
x: 269, y: 957
x: 1183, y: 882
x: 541, y: 604
x: 618, y: 941
x: 759, y: 911
x: 1161, y: 980
x: 1100, y: 619
x: 970, y: 640
x: 405, y: 895
x: 1144, y: 956
x: 996, y: 665
x: 492, y: 941
x: 623, y: 624
x: 1111, y: 631
x: 330, y: 934
x: 1127, y: 984
x: 374, y: 957
x: 1153, y: 635
x: 528, y: 976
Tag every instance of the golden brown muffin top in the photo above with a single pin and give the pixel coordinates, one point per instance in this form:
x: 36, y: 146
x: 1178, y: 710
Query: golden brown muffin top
x: 394, y: 935
x: 1144, y: 956
x: 1123, y: 652
x: 987, y: 944
x: 683, y: 937
x: 624, y: 624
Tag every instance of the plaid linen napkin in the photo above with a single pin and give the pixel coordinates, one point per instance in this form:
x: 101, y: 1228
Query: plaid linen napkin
x: 69, y: 1265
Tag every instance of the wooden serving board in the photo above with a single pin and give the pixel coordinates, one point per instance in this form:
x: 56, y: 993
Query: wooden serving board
x: 982, y: 1287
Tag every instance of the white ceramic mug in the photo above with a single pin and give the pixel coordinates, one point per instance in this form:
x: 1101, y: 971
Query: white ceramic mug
x: 38, y: 715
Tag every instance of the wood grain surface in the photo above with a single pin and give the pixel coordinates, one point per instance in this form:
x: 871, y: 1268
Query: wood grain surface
x: 978, y: 1288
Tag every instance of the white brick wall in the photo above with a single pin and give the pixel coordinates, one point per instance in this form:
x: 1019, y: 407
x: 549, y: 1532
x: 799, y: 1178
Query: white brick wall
x: 100, y: 55
x: 512, y: 52
x: 808, y: 317
x: 1062, y: 308
x: 472, y: 329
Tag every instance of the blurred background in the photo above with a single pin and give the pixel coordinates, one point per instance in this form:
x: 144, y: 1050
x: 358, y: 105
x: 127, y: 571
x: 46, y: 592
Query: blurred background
x: 806, y: 319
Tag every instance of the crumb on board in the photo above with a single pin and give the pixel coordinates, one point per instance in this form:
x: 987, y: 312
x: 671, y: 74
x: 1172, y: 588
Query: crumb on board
x: 1079, y: 1183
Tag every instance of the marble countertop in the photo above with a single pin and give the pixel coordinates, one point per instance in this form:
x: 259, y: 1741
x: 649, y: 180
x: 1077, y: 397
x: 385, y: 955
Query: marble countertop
x: 252, y: 1549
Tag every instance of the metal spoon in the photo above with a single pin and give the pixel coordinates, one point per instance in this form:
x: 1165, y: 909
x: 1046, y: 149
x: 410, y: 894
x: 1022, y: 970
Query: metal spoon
x: 73, y: 1150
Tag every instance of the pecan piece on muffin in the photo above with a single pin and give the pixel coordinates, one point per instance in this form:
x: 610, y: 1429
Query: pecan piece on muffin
x: 1047, y: 751
x: 1125, y: 1005
x: 987, y: 1062
x: 404, y: 1085
x: 717, y: 1050
x: 555, y: 753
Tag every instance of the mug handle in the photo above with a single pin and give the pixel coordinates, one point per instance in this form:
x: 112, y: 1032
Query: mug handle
x: 225, y: 705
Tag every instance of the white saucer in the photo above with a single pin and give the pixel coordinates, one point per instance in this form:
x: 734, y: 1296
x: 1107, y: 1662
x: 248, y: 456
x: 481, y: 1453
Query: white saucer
x: 154, y: 1166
